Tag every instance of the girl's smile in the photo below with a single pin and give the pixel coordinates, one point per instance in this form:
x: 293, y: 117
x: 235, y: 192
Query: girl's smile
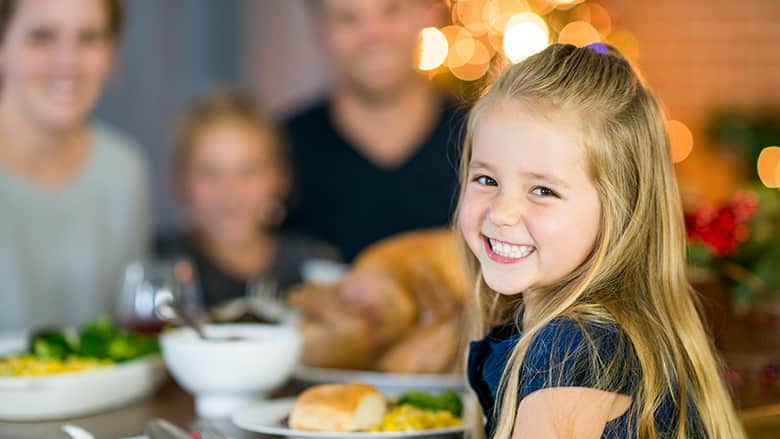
x: 506, y: 252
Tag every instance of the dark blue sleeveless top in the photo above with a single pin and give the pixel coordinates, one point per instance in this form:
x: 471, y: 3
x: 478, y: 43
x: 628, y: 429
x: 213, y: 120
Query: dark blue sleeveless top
x: 557, y: 358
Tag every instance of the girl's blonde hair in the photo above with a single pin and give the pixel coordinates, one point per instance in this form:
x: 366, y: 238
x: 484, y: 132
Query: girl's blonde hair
x: 635, y: 275
x: 224, y: 105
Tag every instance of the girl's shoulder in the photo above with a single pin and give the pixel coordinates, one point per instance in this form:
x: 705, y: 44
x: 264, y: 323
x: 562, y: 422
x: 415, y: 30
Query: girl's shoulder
x: 570, y: 352
x: 571, y: 335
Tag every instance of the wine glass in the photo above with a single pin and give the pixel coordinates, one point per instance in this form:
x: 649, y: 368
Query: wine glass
x: 147, y: 284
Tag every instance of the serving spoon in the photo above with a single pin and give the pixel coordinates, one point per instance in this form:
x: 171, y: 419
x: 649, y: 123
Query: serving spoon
x: 169, y: 311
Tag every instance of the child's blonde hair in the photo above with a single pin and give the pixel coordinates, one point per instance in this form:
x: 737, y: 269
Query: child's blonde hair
x: 224, y: 105
x: 635, y: 275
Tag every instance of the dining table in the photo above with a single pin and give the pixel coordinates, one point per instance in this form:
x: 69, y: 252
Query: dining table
x: 751, y: 357
x: 170, y: 402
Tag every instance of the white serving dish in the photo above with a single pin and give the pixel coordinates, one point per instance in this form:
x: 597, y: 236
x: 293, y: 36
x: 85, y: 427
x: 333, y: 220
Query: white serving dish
x: 226, y: 375
x: 79, y: 393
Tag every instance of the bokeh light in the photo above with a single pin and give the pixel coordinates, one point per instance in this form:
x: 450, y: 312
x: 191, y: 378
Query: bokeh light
x: 768, y: 164
x: 541, y: 7
x: 566, y: 4
x: 579, y: 33
x: 498, y: 13
x: 476, y: 67
x: 433, y: 48
x: 777, y: 174
x: 482, y: 54
x: 600, y: 19
x: 461, y: 45
x: 680, y: 140
x: 494, y: 41
x: 526, y: 34
x: 471, y: 15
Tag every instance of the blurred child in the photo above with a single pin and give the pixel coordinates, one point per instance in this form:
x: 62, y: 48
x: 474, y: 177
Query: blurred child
x: 573, y: 234
x: 231, y: 176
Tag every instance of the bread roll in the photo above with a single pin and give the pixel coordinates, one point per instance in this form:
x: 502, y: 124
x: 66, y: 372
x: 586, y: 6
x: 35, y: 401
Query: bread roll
x: 338, y: 407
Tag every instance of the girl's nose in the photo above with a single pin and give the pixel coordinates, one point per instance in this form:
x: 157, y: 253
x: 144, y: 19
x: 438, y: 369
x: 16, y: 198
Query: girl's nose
x: 66, y: 57
x: 506, y: 210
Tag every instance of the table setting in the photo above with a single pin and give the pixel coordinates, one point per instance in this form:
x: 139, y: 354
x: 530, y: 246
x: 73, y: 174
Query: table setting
x: 328, y: 359
x: 163, y: 368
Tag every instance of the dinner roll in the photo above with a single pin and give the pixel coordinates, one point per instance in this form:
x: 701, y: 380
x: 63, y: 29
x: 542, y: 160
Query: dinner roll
x: 338, y: 407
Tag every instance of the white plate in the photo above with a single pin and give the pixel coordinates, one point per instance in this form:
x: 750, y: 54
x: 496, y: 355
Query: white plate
x: 80, y: 393
x: 266, y: 418
x: 389, y: 383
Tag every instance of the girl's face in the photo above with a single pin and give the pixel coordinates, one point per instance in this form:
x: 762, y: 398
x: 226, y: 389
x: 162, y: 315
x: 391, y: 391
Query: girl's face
x: 232, y: 182
x: 530, y: 212
x: 54, y: 59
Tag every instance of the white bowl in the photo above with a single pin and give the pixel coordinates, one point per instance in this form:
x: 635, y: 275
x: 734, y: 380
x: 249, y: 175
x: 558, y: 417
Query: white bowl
x: 226, y: 375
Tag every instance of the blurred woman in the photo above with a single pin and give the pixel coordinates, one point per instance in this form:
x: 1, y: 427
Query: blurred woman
x: 232, y: 177
x: 72, y: 193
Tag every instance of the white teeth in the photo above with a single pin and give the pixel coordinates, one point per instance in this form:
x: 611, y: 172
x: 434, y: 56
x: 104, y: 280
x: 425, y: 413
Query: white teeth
x: 509, y: 250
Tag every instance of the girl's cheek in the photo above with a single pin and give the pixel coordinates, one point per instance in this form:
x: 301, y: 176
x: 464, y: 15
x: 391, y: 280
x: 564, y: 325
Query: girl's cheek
x: 472, y: 209
x: 546, y: 221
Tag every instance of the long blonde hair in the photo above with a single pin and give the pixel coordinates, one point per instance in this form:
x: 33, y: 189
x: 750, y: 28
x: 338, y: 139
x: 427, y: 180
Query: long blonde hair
x: 635, y: 275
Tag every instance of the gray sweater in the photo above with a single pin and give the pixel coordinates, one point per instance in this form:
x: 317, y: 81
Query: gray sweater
x: 63, y: 250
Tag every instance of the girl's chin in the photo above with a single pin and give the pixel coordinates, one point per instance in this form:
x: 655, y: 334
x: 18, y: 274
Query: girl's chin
x: 229, y: 237
x: 506, y: 289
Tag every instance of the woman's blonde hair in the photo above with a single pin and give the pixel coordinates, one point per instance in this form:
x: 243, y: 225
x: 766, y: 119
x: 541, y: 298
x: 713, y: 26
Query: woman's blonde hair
x: 635, y: 275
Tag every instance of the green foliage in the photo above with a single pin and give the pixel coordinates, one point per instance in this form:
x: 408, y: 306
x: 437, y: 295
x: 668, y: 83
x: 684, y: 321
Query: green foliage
x: 745, y: 133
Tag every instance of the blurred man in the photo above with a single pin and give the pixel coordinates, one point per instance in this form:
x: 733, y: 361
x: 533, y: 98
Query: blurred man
x: 377, y: 156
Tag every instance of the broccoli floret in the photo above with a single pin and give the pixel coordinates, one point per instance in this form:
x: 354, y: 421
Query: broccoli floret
x: 447, y: 401
x: 99, y: 339
x: 51, y: 345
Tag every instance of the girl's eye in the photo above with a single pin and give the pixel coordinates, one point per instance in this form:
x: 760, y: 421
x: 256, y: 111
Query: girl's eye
x: 93, y: 37
x: 41, y: 36
x: 484, y: 180
x: 543, y: 192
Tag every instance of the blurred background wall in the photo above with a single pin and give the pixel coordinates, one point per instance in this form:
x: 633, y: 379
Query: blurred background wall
x: 699, y: 55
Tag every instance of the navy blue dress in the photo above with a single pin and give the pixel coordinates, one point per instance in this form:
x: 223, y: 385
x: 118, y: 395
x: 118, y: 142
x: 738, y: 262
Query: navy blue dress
x: 556, y: 358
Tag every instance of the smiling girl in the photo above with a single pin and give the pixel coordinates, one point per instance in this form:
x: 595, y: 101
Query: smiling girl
x: 231, y: 176
x: 572, y: 231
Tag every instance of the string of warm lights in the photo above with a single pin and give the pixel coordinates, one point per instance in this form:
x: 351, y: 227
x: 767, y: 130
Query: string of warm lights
x: 482, y: 30
x: 512, y: 30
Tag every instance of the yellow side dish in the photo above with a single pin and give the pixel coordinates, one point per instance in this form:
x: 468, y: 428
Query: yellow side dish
x: 30, y: 365
x: 408, y: 418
